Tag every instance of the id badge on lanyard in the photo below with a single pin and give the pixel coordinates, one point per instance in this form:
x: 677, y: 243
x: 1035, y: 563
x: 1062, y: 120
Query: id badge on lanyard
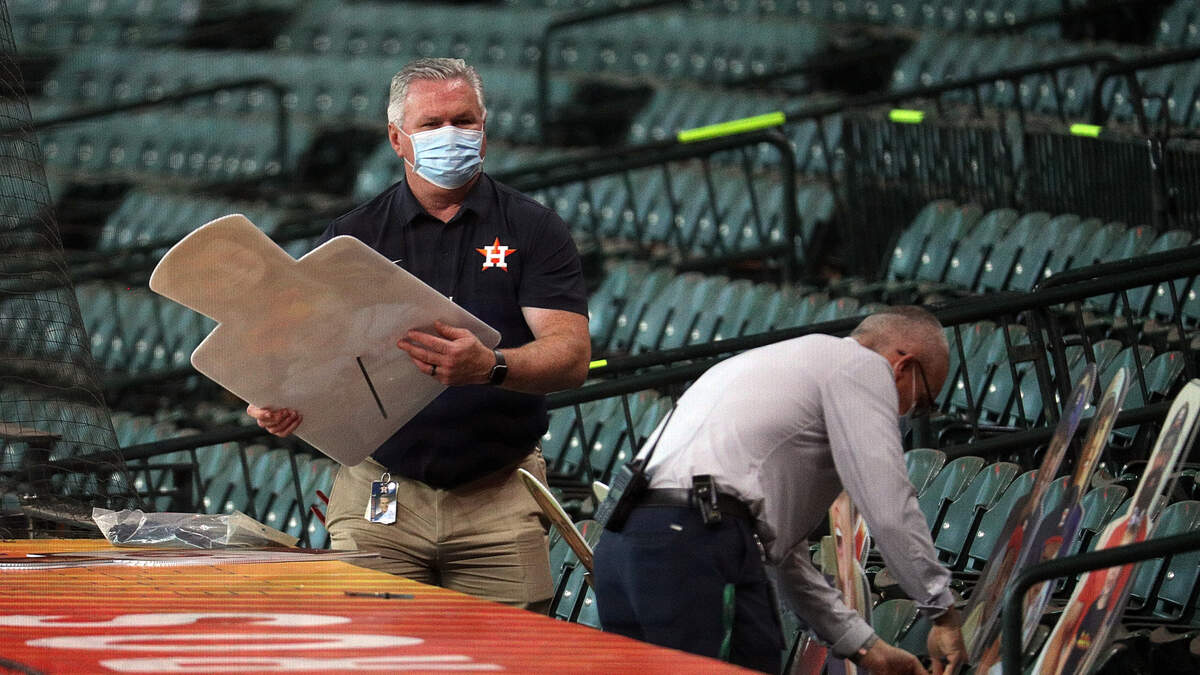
x: 381, y: 507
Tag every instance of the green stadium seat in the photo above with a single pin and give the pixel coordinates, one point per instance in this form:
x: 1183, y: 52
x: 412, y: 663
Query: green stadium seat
x: 1001, y: 261
x: 1100, y: 505
x: 959, y: 525
x: 628, y: 319
x: 935, y: 259
x: 922, y: 465
x: 1139, y: 297
x: 568, y: 603
x: 966, y: 265
x: 1054, y: 493
x: 644, y: 426
x: 700, y: 300
x: 729, y: 310
x: 1176, y: 599
x: 892, y: 618
x: 982, y: 546
x: 1149, y: 575
x: 946, y: 487
x: 1162, y: 373
x: 973, y: 336
x: 656, y: 319
x: 991, y: 356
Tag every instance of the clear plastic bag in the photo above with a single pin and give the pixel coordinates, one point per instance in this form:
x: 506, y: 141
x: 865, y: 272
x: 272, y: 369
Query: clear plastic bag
x: 187, y: 530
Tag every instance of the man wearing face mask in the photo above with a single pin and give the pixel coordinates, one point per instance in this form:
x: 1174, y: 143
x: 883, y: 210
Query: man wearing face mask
x: 772, y: 436
x: 460, y: 517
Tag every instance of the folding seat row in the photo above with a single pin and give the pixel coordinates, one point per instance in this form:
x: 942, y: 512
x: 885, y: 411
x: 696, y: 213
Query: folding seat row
x: 317, y: 89
x: 147, y: 216
x: 998, y: 398
x: 1179, y: 26
x: 935, y: 59
x: 950, y: 247
x: 172, y: 146
x: 677, y: 108
x: 573, y: 598
x: 610, y: 442
x: 40, y: 340
x: 672, y: 45
x: 638, y: 309
x: 662, y: 44
x: 1175, y: 86
x: 943, y: 15
x: 51, y: 27
x: 684, y: 211
x: 136, y: 330
x: 483, y: 36
x: 967, y: 506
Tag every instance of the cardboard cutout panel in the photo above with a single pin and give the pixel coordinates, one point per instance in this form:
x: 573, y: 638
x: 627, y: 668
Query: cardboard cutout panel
x: 317, y: 335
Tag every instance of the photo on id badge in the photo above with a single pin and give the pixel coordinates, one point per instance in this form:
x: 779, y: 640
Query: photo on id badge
x: 381, y: 508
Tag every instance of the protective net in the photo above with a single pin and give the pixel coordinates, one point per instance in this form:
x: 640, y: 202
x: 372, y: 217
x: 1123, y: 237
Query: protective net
x: 58, y: 452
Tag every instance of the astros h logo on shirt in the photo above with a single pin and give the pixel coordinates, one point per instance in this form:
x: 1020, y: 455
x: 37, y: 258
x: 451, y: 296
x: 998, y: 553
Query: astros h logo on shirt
x: 495, y: 255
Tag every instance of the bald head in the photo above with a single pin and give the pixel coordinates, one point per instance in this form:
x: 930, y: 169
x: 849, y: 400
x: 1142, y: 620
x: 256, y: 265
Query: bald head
x: 898, y: 333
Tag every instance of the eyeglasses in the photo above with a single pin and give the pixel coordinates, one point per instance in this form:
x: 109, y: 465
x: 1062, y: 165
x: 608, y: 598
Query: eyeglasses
x: 922, y: 406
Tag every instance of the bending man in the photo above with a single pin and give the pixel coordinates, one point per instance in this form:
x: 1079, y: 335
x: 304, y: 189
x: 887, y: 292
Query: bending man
x: 781, y: 430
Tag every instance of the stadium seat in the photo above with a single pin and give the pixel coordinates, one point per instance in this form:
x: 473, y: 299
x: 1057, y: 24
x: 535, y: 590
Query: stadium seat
x: 958, y: 527
x: 1100, y: 505
x: 892, y: 618
x: 967, y: 263
x: 946, y: 487
x: 1148, y: 575
x: 1000, y: 264
x: 982, y: 546
x: 699, y: 301
x: 628, y: 319
x: 923, y: 464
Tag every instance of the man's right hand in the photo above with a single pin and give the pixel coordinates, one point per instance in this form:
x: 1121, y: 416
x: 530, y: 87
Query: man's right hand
x: 280, y: 422
x: 945, y: 643
x: 884, y: 659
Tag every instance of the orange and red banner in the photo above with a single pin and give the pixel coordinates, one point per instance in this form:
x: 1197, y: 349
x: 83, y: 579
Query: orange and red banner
x: 325, y: 615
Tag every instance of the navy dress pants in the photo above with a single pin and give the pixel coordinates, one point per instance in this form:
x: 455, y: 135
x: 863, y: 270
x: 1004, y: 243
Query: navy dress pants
x: 662, y: 580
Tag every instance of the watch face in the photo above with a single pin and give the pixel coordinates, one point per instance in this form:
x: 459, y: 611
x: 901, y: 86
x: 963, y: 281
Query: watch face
x: 498, y: 372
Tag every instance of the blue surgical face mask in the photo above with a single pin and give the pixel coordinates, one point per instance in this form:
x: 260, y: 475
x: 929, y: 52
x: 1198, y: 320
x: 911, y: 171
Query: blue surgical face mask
x: 447, y: 156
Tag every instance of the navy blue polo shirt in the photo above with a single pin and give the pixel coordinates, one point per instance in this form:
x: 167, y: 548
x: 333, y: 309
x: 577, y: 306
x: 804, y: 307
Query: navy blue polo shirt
x: 502, y: 251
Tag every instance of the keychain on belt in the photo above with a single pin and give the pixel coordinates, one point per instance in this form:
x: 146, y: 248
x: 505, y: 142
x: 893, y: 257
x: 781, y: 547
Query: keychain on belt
x: 381, y: 508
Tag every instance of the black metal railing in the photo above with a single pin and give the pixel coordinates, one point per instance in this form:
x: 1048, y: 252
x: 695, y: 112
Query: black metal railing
x: 1013, y: 612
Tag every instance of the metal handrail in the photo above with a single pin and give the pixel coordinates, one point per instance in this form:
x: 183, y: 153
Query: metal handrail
x: 1053, y: 569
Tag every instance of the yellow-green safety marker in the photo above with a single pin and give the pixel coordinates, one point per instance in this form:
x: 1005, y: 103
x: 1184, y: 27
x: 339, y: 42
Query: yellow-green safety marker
x: 1089, y: 130
x: 904, y: 116
x: 597, y: 364
x: 739, y: 126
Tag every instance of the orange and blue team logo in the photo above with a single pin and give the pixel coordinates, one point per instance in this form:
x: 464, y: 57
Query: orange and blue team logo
x: 494, y: 255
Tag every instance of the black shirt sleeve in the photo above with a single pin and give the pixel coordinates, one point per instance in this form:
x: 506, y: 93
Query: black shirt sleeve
x: 553, y: 278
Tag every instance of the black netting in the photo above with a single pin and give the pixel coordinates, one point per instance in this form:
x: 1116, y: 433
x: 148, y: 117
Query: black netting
x: 1110, y: 178
x: 58, y: 452
x: 894, y: 169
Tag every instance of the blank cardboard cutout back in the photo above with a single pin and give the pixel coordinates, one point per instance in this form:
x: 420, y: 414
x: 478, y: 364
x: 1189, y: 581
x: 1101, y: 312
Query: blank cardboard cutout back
x: 317, y: 334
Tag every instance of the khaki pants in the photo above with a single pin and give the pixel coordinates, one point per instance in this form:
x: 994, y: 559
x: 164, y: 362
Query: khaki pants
x: 486, y: 538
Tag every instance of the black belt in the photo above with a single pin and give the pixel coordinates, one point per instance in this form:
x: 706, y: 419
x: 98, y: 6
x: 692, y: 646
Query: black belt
x: 685, y: 497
